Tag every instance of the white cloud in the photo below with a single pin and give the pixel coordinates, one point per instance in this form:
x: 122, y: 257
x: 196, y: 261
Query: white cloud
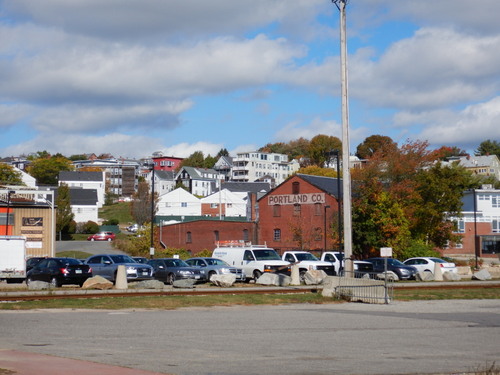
x: 183, y: 150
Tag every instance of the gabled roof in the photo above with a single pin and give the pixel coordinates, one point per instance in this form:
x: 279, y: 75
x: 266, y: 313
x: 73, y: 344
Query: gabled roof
x: 179, y: 195
x: 327, y: 184
x: 249, y: 187
x: 198, y: 173
x: 81, y: 197
x: 80, y: 176
x: 478, y: 161
x: 165, y: 175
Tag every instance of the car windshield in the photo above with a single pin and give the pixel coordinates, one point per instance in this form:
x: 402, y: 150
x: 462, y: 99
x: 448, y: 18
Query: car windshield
x: 394, y: 262
x: 122, y: 259
x: 266, y: 254
x: 71, y: 262
x: 305, y: 256
x: 176, y: 263
x: 216, y: 262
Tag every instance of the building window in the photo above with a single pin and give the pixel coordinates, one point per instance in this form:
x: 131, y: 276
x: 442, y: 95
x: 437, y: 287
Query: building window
x: 296, y: 209
x: 216, y: 235
x: 318, y: 209
x: 277, y: 234
x: 460, y: 226
x: 318, y: 234
x: 184, y: 204
x: 245, y: 235
x: 276, y: 210
x: 189, y: 239
x: 214, y: 205
x: 495, y: 201
x: 495, y: 226
x: 296, y: 187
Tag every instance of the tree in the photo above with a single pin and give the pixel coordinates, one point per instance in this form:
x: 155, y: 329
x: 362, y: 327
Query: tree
x: 76, y: 157
x: 9, y: 176
x: 446, y: 152
x: 222, y: 152
x: 317, y: 171
x: 319, y: 146
x: 196, y: 160
x: 141, y: 204
x: 488, y: 148
x: 373, y: 144
x: 64, y: 215
x: 46, y: 171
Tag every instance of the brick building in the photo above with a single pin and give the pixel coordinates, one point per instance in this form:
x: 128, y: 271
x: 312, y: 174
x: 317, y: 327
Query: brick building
x: 299, y: 213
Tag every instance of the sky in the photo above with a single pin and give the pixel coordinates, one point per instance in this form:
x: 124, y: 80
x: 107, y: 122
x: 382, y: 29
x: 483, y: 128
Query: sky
x: 134, y: 77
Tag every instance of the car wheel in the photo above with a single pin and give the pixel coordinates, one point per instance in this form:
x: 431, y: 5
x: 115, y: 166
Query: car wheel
x: 54, y: 283
x: 170, y: 278
x: 110, y: 239
x: 92, y: 239
x: 256, y: 274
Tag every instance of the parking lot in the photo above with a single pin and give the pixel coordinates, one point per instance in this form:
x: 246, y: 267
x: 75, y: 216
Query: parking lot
x: 426, y: 337
x: 92, y: 247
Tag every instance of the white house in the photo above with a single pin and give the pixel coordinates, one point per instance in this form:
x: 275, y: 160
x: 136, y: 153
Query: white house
x: 199, y: 181
x: 83, y: 204
x: 85, y: 180
x: 225, y: 203
x: 178, y: 202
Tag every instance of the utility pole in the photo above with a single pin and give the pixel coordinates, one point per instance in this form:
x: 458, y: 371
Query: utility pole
x: 346, y: 174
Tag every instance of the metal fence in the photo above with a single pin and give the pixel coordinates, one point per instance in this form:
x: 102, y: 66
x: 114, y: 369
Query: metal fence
x: 369, y: 287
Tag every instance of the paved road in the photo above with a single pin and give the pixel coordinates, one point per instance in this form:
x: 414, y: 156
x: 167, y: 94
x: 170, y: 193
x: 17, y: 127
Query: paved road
x: 92, y: 247
x: 400, y: 338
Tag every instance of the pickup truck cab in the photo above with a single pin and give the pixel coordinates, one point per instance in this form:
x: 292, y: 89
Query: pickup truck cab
x: 306, y: 261
x: 336, y: 258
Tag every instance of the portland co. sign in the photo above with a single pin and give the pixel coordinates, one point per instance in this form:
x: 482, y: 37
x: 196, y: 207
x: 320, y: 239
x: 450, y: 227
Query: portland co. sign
x: 296, y: 199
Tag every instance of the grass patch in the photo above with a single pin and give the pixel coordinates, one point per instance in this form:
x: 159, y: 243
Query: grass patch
x: 401, y: 294
x: 168, y: 302
x: 119, y: 211
x: 73, y: 254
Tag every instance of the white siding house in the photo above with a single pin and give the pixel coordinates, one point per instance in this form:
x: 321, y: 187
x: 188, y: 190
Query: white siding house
x: 179, y: 202
x: 85, y: 180
x: 234, y: 204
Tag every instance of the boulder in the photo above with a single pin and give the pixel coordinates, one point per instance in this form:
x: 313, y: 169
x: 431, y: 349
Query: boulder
x: 481, y: 275
x: 451, y: 276
x: 224, y: 281
x: 184, y: 283
x: 314, y: 277
x: 97, y: 282
x: 276, y: 279
x: 330, y: 283
x: 391, y: 276
x: 149, y: 284
x: 38, y: 285
x: 425, y: 276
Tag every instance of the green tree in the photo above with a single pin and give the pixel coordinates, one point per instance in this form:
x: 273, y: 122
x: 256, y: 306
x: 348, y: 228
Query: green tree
x: 46, y: 171
x: 317, y: 171
x: 222, y: 152
x: 488, y: 147
x: 9, y: 176
x: 373, y: 144
x: 76, y: 157
x: 196, y: 159
x: 64, y: 216
x: 319, y: 146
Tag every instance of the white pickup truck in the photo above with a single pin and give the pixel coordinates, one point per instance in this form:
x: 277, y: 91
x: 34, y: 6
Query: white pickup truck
x: 306, y: 261
x: 336, y: 259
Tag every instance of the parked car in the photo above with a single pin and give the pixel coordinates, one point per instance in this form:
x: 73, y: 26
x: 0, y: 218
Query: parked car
x: 170, y: 269
x: 59, y: 271
x: 133, y: 228
x: 102, y: 236
x: 402, y: 271
x: 214, y: 266
x: 32, y: 262
x: 361, y: 268
x: 427, y: 264
x: 106, y: 265
x: 140, y: 260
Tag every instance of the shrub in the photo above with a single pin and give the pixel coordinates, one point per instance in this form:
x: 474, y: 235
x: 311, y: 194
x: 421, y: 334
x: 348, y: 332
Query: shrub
x: 71, y: 229
x: 111, y: 222
x: 419, y: 249
x: 90, y: 227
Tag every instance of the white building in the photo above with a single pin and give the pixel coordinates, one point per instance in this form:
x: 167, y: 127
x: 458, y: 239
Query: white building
x: 199, y: 181
x: 262, y: 166
x: 225, y: 203
x: 85, y: 180
x: 178, y: 202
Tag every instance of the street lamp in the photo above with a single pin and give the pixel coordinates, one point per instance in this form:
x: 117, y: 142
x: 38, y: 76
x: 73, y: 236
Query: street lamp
x: 8, y: 209
x: 324, y: 248
x: 152, y: 246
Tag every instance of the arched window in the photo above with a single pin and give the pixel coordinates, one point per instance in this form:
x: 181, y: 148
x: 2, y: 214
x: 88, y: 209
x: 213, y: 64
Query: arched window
x: 189, y: 239
x: 295, y: 187
x: 216, y: 235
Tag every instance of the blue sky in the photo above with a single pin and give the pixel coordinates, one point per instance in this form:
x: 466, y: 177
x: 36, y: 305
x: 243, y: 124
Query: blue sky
x: 132, y: 77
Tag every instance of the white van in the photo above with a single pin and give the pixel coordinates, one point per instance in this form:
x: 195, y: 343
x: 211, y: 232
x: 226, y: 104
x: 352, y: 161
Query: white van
x: 254, y: 259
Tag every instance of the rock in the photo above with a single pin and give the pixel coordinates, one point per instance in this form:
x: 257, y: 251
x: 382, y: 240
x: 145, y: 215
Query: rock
x: 276, y: 279
x: 97, y: 282
x: 425, y: 276
x: 451, y: 276
x: 295, y: 275
x: 184, y: 283
x: 38, y: 285
x: 481, y: 275
x: 224, y: 281
x: 330, y: 283
x: 314, y: 277
x: 149, y: 284
x: 391, y: 276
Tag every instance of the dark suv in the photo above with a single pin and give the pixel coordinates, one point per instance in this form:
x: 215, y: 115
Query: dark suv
x: 402, y: 271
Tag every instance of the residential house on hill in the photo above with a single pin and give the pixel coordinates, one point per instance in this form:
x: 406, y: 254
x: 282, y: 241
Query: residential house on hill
x: 485, y: 165
x: 178, y: 202
x: 84, y: 204
x: 224, y: 166
x: 199, y: 181
x: 225, y: 203
x: 85, y: 180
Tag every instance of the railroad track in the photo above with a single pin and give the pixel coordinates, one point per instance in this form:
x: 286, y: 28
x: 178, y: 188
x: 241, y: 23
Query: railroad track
x: 60, y: 293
